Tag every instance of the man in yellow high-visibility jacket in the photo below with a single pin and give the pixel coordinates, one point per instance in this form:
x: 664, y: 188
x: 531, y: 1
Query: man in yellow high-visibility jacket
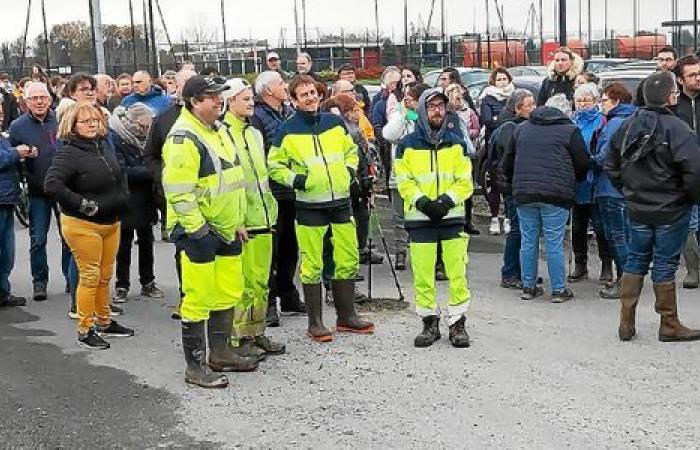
x: 434, y: 178
x: 314, y: 154
x: 203, y: 183
x: 260, y: 218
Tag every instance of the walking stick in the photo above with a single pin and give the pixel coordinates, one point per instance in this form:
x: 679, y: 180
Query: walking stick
x: 373, y: 219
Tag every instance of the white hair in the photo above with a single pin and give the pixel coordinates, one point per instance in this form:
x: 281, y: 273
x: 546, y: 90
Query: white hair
x: 588, y: 90
x: 264, y: 80
x: 32, y: 86
x: 560, y: 102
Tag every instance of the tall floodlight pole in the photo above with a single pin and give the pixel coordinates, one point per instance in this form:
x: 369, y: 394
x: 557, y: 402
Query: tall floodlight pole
x: 145, y: 35
x: 376, y: 21
x: 296, y: 28
x: 46, y: 38
x: 133, y: 34
x: 154, y: 50
x: 541, y: 25
x: 590, y: 40
x: 97, y: 36
x: 223, y: 27
x: 695, y: 25
x: 303, y: 22
x: 562, y: 22
x: 24, y: 38
x: 488, y: 35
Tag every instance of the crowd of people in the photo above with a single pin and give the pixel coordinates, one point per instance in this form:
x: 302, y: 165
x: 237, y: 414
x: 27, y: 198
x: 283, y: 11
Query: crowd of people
x: 250, y: 181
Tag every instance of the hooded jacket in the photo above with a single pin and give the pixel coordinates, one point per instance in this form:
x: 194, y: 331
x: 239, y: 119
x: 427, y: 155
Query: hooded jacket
x: 688, y: 110
x: 493, y: 101
x: 547, y: 156
x: 497, y: 147
x: 560, y: 84
x: 431, y: 163
x: 10, y: 107
x: 268, y: 121
x: 589, y: 121
x: 31, y: 131
x: 155, y: 99
x: 602, y: 186
x: 97, y: 177
x: 654, y: 158
x: 314, y: 154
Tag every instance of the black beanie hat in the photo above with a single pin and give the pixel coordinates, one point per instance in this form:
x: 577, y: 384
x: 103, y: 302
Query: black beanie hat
x: 657, y: 87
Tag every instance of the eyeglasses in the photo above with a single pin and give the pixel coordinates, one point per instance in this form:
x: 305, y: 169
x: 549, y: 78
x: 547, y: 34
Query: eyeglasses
x: 584, y: 100
x: 692, y: 75
x: 42, y: 98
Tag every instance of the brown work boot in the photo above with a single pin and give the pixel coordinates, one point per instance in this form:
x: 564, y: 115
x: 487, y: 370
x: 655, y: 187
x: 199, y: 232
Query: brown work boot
x: 630, y: 288
x: 222, y: 358
x: 671, y: 329
x: 348, y: 321
x: 314, y: 308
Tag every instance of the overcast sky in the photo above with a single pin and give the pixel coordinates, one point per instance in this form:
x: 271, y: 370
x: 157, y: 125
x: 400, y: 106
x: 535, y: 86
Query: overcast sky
x: 265, y: 18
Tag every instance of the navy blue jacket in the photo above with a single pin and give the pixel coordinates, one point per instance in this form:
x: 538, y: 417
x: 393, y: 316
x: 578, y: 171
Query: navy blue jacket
x: 602, y: 186
x: 9, y: 185
x: 546, y: 157
x: 268, y: 121
x: 30, y: 131
x: 378, y: 117
x: 489, y: 113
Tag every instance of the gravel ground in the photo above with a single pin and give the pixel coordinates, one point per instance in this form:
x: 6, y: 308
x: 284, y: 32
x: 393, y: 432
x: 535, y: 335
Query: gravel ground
x: 538, y: 375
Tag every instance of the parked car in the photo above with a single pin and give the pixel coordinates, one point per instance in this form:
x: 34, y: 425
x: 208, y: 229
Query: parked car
x: 635, y: 65
x: 469, y: 76
x: 596, y: 65
x: 522, y: 71
x: 629, y: 78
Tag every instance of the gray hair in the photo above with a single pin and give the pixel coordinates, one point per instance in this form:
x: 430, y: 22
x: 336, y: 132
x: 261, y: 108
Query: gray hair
x: 32, y: 86
x: 264, y: 80
x: 306, y: 56
x: 588, y: 90
x: 517, y: 98
x: 137, y: 110
x: 388, y: 70
x: 560, y: 102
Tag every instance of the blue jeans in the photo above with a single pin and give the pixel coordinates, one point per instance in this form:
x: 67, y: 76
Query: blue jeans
x: 551, y: 220
x: 511, y: 254
x: 661, y: 244
x: 613, y: 213
x: 40, y: 211
x: 7, y: 248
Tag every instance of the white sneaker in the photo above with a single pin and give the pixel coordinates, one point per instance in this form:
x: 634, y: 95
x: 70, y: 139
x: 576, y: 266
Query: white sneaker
x: 506, y: 226
x: 495, y: 228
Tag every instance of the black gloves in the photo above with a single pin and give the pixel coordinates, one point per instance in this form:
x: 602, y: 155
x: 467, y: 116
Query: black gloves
x: 299, y: 182
x: 88, y: 207
x: 445, y: 199
x: 435, y: 209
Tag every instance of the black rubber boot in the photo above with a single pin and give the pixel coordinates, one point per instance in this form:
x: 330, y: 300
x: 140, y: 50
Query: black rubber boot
x: 580, y: 272
x: 348, y: 321
x: 367, y: 255
x: 272, y: 318
x: 248, y: 349
x: 221, y: 357
x: 195, y: 350
x: 292, y: 304
x: 458, y: 334
x: 269, y: 346
x: 430, y: 333
x: 314, y: 306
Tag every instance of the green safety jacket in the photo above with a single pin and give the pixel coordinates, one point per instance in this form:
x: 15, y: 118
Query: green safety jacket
x: 203, y: 180
x: 261, y: 209
x: 425, y: 169
x: 315, y: 155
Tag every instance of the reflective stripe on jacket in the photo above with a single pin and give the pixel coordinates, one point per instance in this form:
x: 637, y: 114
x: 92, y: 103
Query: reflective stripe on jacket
x: 261, y: 206
x: 319, y: 147
x: 203, y: 179
x: 423, y: 169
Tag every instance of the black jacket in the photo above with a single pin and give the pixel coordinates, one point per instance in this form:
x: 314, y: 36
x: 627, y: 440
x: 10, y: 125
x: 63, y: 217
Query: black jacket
x: 87, y: 169
x: 153, y: 153
x: 10, y: 107
x: 498, y: 147
x: 41, y: 134
x: 688, y: 110
x: 557, y: 84
x: 546, y: 157
x: 654, y: 159
x: 268, y: 121
x: 142, y: 211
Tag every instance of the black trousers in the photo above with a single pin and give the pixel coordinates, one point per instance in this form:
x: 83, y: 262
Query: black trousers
x: 285, y: 255
x: 582, y: 215
x: 145, y: 245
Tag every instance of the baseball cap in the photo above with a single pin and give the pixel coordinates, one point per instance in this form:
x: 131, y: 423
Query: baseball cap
x: 199, y: 85
x: 272, y: 55
x: 432, y: 93
x: 234, y: 87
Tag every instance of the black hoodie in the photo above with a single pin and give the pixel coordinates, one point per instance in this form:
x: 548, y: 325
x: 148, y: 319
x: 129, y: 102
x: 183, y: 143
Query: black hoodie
x: 654, y: 159
x: 87, y: 169
x: 545, y: 159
